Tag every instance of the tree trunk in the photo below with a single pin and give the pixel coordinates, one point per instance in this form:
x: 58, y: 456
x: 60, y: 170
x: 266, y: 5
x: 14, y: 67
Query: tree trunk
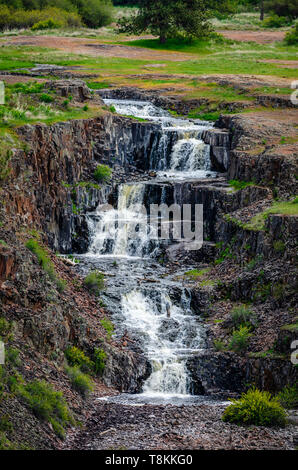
x: 262, y: 10
x: 162, y: 39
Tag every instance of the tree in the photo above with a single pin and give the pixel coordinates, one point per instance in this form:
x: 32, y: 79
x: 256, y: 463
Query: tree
x: 288, y: 8
x: 167, y: 18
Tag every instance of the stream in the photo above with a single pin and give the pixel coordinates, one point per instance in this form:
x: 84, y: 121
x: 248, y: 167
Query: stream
x: 147, y: 298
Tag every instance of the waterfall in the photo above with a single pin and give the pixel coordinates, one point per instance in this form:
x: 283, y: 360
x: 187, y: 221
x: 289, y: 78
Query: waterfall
x: 168, y: 333
x: 121, y: 232
x: 189, y: 155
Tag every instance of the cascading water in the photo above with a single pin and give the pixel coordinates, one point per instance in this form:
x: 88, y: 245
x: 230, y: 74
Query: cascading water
x: 167, y: 330
x: 169, y: 334
x: 189, y: 155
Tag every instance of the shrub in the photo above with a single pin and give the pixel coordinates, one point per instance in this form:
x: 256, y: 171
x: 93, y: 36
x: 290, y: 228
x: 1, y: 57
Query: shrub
x: 239, y: 340
x: 219, y: 345
x: 46, y: 24
x: 94, y: 282
x: 5, y: 327
x: 96, y: 13
x: 256, y: 407
x: 47, y: 404
x: 46, y: 263
x: 77, y: 357
x: 275, y: 21
x: 292, y: 36
x: 288, y: 397
x: 79, y: 381
x: 38, y: 18
x: 241, y: 315
x: 99, y: 360
x: 108, y: 326
x: 103, y: 174
x: 45, y: 98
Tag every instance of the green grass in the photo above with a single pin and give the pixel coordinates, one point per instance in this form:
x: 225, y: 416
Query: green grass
x: 46, y: 263
x: 47, y: 404
x: 94, y: 282
x: 80, y: 382
x: 282, y: 207
x: 195, y: 273
x: 238, y: 185
x: 108, y: 326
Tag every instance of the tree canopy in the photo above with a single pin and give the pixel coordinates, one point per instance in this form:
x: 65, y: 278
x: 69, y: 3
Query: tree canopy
x: 167, y: 18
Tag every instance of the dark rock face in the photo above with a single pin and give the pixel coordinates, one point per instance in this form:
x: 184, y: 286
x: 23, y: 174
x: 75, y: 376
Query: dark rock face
x: 271, y: 374
x: 253, y: 156
x: 219, y: 141
x: 214, y: 373
x: 126, y: 370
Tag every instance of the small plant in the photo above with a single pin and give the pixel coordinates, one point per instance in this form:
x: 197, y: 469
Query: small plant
x: 103, y: 174
x: 279, y: 246
x: 5, y: 327
x: 292, y: 36
x: 94, y: 282
x: 276, y: 21
x: 46, y: 263
x: 45, y: 98
x: 80, y: 381
x: 288, y: 397
x: 239, y: 340
x: 219, y: 345
x: 256, y: 408
x: 108, y: 326
x: 77, y: 357
x: 99, y: 360
x: 241, y: 315
x: 47, y: 404
x: 46, y: 24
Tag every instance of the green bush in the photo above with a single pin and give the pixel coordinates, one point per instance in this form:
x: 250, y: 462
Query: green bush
x: 108, y: 326
x: 96, y: 13
x: 47, y: 404
x: 77, y: 357
x: 79, y: 381
x: 46, y: 24
x: 94, y: 281
x: 239, y: 340
x: 288, y: 397
x: 37, y: 19
x: 103, y: 173
x: 5, y: 327
x: 99, y: 360
x: 45, y: 98
x: 292, y: 36
x: 46, y: 263
x: 257, y: 408
x: 276, y: 21
x: 241, y: 315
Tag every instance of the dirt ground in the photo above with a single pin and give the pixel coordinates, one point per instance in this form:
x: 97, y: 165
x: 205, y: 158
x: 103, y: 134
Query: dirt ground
x: 97, y: 48
x: 261, y: 37
x: 116, y: 426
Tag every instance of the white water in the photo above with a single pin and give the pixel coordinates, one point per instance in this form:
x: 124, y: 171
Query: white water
x: 122, y: 232
x: 169, y: 333
x: 167, y: 341
x: 190, y: 156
